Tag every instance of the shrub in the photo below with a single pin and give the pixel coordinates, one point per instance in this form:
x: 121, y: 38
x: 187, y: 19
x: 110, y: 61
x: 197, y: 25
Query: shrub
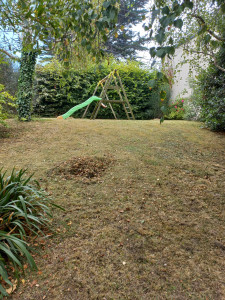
x: 211, y: 86
x: 176, y: 110
x: 25, y: 211
x: 191, y: 110
x: 5, y: 100
x: 55, y: 97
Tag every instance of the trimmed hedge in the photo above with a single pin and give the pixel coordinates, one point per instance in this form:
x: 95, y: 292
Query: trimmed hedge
x: 55, y: 95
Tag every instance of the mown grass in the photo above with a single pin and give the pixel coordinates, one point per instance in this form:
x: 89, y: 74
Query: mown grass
x: 151, y: 226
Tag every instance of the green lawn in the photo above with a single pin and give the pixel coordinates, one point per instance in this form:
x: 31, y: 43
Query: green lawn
x: 144, y: 206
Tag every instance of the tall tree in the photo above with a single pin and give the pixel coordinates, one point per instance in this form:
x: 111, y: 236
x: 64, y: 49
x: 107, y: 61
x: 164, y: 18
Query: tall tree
x: 124, y: 41
x: 34, y: 21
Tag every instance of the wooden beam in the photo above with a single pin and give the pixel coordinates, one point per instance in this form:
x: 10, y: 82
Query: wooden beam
x: 111, y: 87
x: 112, y: 101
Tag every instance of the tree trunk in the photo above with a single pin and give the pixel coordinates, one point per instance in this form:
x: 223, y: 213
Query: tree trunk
x: 25, y: 92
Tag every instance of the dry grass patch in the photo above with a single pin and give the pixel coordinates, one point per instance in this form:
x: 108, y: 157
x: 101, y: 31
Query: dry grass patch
x: 152, y: 225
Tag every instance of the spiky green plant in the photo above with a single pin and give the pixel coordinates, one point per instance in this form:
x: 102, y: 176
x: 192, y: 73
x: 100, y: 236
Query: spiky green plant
x: 25, y: 210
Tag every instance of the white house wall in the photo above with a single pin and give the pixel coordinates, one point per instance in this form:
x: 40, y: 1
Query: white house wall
x: 183, y: 71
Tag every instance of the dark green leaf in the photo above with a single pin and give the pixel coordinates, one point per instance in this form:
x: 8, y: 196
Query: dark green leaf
x: 161, y: 120
x: 151, y: 32
x: 202, y: 29
x: 112, y: 13
x: 165, y: 21
x: 106, y: 4
x: 188, y: 4
x: 170, y: 41
x: 152, y: 51
x: 165, y: 10
x: 40, y: 10
x: 161, y: 53
x: 178, y: 23
x: 175, y: 5
x: 159, y: 75
x: 164, y: 109
x: 207, y: 38
x: 160, y: 36
x: 152, y: 83
x: 155, y: 13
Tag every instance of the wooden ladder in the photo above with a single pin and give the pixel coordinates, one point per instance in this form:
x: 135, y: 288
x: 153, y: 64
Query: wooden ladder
x: 106, y: 84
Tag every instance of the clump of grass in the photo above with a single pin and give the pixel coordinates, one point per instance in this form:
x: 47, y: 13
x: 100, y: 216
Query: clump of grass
x: 25, y: 211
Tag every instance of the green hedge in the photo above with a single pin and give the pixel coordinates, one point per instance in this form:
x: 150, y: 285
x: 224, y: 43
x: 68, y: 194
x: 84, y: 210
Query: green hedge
x: 55, y: 96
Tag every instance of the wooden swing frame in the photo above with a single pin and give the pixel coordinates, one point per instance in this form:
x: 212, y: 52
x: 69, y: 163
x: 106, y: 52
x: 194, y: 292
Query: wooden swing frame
x: 111, y: 82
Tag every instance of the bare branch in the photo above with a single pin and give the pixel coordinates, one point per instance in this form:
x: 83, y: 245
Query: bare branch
x: 219, y: 67
x: 209, y: 54
x: 10, y: 55
x: 202, y: 21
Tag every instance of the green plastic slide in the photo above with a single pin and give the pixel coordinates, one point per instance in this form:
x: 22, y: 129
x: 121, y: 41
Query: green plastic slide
x: 79, y: 106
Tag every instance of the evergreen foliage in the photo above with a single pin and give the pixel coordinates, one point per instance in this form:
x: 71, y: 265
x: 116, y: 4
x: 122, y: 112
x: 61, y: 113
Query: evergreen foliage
x: 53, y: 99
x: 127, y: 41
x: 25, y: 95
x: 212, y: 101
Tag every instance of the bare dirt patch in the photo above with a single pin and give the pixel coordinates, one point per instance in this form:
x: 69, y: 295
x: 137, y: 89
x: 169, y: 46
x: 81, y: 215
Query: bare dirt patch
x: 85, y: 168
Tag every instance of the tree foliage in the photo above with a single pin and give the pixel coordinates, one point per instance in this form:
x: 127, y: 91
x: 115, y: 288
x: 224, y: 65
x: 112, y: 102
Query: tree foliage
x: 5, y: 100
x: 174, y: 23
x: 52, y: 25
x: 37, y: 20
x: 124, y: 41
x: 211, y: 86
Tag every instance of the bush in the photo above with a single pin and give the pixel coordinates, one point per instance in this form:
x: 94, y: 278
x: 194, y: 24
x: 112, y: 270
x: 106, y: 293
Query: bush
x: 5, y: 100
x: 25, y: 211
x: 211, y: 84
x: 191, y: 110
x: 176, y: 110
x: 55, y: 97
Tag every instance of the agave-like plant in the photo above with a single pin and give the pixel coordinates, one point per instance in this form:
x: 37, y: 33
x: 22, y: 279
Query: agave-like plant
x: 25, y: 210
x: 11, y: 251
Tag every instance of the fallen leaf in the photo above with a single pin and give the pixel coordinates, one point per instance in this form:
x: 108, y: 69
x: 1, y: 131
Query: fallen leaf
x: 33, y: 283
x: 12, y: 288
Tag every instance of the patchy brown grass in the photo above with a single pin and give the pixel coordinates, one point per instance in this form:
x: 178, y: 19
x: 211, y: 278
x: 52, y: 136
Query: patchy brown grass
x: 151, y: 226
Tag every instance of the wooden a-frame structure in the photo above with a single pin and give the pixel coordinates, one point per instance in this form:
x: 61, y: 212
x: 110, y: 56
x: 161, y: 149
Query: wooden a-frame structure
x: 111, y: 82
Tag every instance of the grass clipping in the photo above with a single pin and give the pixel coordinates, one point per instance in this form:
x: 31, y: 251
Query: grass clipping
x: 82, y: 168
